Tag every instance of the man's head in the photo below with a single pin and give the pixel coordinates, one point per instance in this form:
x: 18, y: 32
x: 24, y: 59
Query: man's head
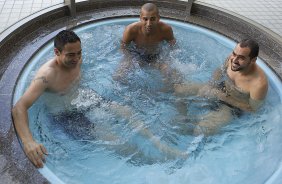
x: 67, y: 48
x: 149, y: 17
x: 244, y: 55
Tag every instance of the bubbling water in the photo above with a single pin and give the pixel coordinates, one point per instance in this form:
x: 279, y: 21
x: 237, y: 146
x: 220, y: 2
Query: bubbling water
x: 101, y: 138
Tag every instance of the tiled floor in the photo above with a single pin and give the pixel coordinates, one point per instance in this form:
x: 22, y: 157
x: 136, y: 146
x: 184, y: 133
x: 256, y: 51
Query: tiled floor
x: 268, y: 13
x: 12, y: 11
x: 265, y: 12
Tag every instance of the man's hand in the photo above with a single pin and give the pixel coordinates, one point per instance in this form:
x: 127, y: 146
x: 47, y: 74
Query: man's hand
x: 35, y: 152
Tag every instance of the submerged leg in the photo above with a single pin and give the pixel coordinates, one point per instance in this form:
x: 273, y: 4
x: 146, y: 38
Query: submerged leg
x: 187, y: 89
x: 214, y: 120
x: 126, y: 112
x: 171, y: 76
x: 123, y: 69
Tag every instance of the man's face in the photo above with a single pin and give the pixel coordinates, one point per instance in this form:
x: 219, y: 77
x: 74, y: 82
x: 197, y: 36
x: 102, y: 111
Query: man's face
x: 70, y: 56
x: 240, y: 58
x: 149, y: 20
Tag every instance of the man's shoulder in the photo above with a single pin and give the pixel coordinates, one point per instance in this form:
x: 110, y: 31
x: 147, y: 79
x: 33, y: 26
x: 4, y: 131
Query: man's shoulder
x: 133, y: 27
x: 259, y: 86
x: 260, y: 75
x: 260, y: 80
x: 48, y: 70
x: 164, y: 27
x: 131, y: 32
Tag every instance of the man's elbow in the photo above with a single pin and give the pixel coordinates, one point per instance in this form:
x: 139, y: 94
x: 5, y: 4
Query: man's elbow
x: 254, y: 105
x: 18, y: 109
x: 15, y: 111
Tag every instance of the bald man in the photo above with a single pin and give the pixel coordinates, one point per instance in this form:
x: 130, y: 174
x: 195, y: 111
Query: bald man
x: 149, y: 31
x: 146, y: 36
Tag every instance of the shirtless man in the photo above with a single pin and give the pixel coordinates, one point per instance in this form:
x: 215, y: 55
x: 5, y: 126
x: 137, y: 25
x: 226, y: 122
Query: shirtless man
x: 61, y: 76
x: 150, y: 31
x: 146, y: 35
x: 57, y: 75
x: 240, y: 84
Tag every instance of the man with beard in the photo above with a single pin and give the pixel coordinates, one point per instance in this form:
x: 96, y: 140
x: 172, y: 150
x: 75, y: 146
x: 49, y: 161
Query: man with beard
x: 240, y: 85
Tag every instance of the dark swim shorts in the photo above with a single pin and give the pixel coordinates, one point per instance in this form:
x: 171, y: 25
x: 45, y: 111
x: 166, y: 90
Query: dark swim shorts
x: 236, y: 112
x: 144, y: 58
x: 214, y: 105
x: 75, y: 124
x: 149, y: 58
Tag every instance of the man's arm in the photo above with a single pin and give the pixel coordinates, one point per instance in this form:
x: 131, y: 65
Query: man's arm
x: 34, y: 151
x: 243, y: 105
x: 258, y: 93
x: 168, y: 34
x: 128, y: 36
x: 250, y: 106
x: 219, y: 73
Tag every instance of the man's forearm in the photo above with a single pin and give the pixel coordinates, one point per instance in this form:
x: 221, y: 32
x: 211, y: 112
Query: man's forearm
x: 124, y: 65
x: 34, y: 151
x: 20, y: 119
x: 245, y: 106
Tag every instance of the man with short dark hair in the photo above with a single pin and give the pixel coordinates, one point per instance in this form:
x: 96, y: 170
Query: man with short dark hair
x: 58, y: 75
x: 61, y: 75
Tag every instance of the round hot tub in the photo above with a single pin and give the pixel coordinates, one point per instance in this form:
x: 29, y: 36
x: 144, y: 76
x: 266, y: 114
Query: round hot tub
x: 114, y: 149
x: 123, y: 151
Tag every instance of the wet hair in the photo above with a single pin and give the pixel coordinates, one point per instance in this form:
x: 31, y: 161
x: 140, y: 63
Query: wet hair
x: 64, y: 37
x: 150, y: 7
x: 253, y: 45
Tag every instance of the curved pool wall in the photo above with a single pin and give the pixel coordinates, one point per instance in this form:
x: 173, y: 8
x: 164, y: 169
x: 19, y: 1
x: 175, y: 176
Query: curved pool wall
x: 19, y: 46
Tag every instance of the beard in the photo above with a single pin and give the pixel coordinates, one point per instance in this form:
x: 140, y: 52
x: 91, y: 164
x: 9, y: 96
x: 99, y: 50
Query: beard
x: 235, y: 67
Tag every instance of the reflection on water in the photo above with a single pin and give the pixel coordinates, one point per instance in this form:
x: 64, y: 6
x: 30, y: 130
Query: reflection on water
x: 90, y: 142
